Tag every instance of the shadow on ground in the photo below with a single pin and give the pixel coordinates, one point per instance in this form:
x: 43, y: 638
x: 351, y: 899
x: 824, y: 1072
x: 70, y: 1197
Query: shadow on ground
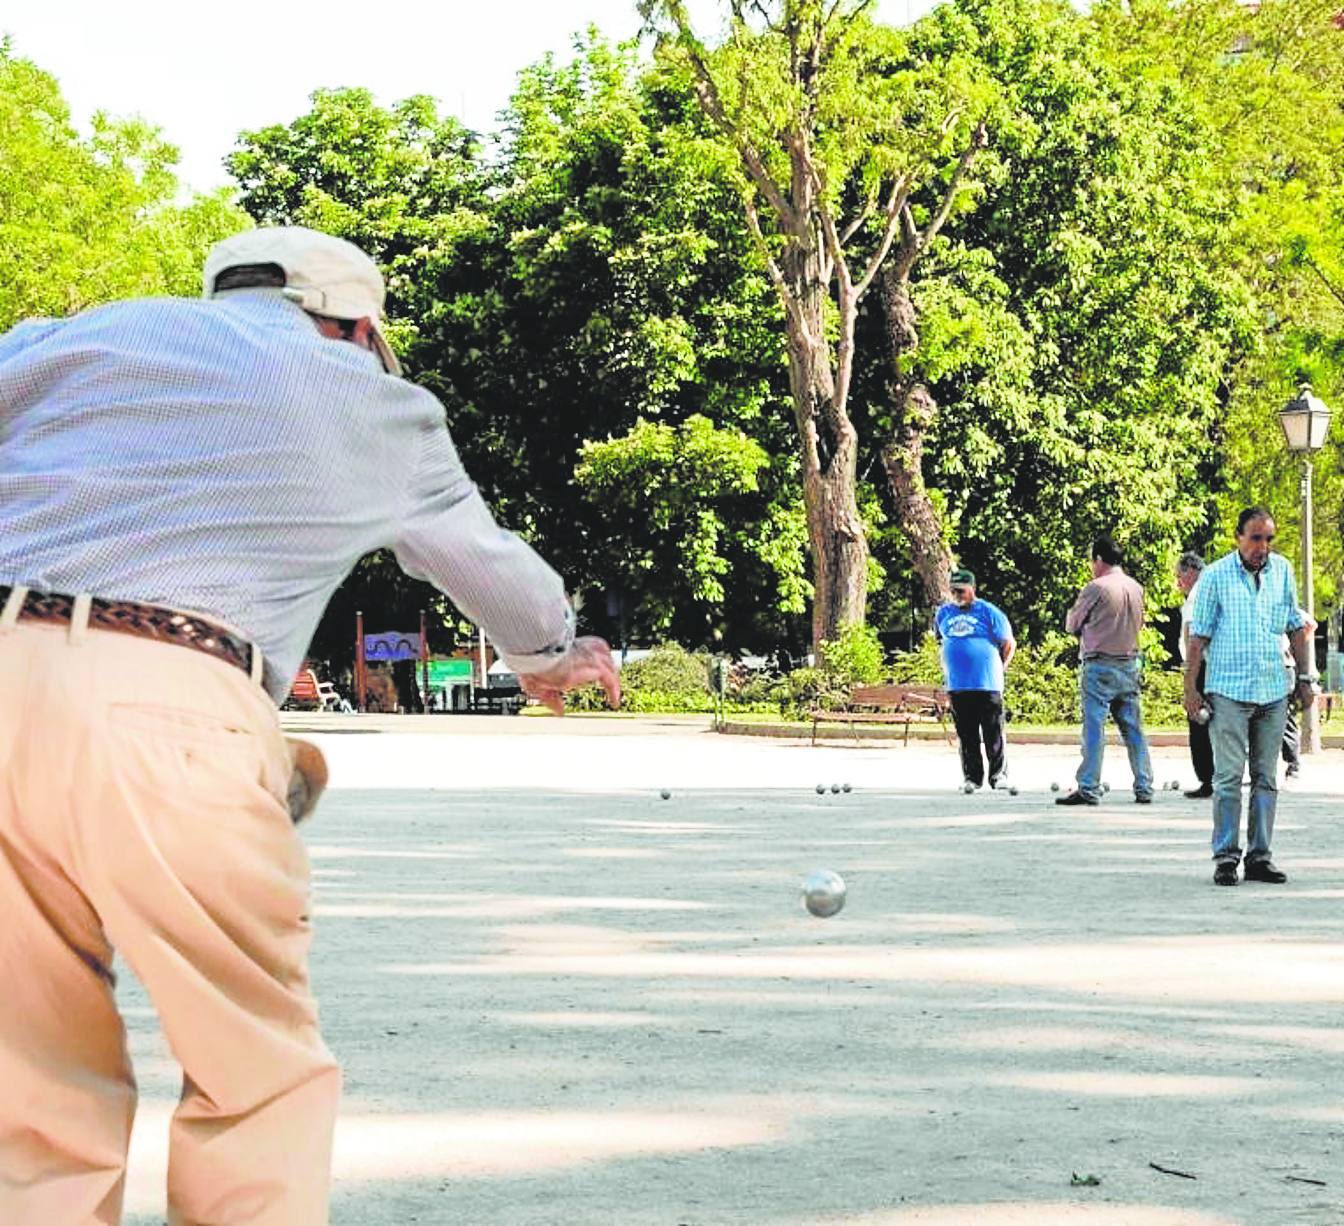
x: 613, y: 1009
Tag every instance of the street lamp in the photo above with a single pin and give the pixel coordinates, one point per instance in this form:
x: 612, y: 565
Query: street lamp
x: 1305, y: 420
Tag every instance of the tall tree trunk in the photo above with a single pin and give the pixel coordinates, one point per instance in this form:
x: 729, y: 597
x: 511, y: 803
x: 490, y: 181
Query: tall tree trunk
x: 903, y: 453
x: 829, y: 453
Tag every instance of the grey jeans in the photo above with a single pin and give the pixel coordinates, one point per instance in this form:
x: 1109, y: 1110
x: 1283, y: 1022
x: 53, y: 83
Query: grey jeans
x: 1242, y: 732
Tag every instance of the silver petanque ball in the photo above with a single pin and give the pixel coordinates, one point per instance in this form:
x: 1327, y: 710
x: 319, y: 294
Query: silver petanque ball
x: 835, y: 787
x: 823, y: 892
x: 821, y: 789
x: 665, y: 794
x: 1105, y: 787
x: 1012, y: 791
x: 968, y: 788
x: 845, y: 787
x: 1054, y: 787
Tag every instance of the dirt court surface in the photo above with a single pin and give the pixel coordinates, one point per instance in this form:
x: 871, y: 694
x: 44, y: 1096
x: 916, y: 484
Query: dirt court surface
x: 560, y: 998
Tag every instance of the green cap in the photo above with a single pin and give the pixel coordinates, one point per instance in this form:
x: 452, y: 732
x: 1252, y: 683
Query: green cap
x: 961, y: 578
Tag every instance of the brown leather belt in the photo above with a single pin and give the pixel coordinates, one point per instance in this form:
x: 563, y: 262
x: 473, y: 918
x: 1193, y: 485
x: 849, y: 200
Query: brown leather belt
x: 144, y: 621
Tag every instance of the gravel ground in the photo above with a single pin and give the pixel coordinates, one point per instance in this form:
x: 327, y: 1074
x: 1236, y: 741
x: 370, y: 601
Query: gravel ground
x: 560, y: 998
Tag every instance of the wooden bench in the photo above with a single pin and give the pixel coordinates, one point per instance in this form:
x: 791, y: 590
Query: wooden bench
x: 309, y: 694
x: 889, y: 704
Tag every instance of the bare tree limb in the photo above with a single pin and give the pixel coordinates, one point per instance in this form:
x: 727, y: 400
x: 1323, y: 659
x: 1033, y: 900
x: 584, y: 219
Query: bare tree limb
x: 771, y: 265
x: 895, y: 214
x: 711, y: 101
x: 916, y: 244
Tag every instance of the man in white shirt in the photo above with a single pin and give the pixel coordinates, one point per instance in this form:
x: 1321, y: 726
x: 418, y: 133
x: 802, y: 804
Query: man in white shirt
x: 1188, y: 571
x: 183, y: 485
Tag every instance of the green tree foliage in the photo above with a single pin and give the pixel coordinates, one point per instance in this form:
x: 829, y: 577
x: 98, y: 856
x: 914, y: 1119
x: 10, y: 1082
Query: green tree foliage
x: 87, y: 220
x: 668, y: 486
x: 1078, y: 322
x: 1267, y: 82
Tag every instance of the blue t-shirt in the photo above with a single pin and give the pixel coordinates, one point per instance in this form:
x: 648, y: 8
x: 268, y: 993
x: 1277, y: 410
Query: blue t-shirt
x: 971, y: 639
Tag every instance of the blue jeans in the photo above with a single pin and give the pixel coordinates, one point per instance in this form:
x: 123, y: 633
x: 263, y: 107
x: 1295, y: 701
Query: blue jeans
x: 1242, y: 730
x: 1111, y: 686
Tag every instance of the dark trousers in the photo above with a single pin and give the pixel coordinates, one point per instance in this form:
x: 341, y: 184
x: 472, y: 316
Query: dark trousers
x: 978, y: 715
x: 1201, y: 747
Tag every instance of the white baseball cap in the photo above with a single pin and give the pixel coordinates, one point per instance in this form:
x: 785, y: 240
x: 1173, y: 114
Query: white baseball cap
x: 323, y: 274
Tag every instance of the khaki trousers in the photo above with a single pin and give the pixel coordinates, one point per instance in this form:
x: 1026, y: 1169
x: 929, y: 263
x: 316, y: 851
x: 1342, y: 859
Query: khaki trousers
x: 143, y: 810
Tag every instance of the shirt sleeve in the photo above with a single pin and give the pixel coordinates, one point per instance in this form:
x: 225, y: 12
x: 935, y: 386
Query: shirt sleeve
x: 1003, y: 628
x: 24, y: 334
x: 449, y: 537
x: 1295, y: 619
x: 1077, y: 615
x: 1204, y: 615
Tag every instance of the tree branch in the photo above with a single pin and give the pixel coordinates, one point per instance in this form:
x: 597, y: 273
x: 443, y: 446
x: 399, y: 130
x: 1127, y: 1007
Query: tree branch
x: 896, y: 214
x: 916, y: 243
x: 1335, y: 291
x: 707, y: 91
x: 771, y: 266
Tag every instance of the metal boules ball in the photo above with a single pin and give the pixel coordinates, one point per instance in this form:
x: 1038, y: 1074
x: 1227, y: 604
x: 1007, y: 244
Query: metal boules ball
x: 823, y: 892
x: 821, y: 789
x: 665, y: 794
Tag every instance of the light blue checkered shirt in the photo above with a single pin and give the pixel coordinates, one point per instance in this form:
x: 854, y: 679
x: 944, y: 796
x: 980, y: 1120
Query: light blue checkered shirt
x: 225, y: 457
x: 1244, y: 624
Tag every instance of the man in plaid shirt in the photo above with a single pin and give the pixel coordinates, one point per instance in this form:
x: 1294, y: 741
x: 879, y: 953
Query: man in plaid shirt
x: 1245, y: 602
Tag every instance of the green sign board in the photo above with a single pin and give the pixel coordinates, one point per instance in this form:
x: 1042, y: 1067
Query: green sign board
x: 444, y: 673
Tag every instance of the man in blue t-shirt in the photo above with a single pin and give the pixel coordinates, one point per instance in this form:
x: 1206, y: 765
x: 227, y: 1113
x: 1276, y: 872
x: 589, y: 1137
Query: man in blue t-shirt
x: 977, y: 644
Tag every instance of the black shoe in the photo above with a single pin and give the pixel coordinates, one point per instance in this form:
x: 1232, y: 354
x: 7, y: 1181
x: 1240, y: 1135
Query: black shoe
x: 1225, y: 873
x: 1264, y: 870
x: 1077, y: 798
x: 1000, y: 783
x: 1291, y: 772
x: 1143, y: 798
x: 1203, y: 792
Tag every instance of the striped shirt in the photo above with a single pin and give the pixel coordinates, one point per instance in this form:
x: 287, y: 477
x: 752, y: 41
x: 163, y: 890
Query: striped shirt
x: 224, y: 457
x: 1244, y: 621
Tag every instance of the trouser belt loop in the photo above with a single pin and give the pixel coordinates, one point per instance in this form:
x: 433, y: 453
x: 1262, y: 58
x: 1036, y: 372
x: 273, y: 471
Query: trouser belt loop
x: 79, y: 619
x: 13, y: 607
x: 258, y: 665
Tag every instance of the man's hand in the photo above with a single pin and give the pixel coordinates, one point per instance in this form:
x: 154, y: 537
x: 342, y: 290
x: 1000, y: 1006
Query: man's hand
x: 589, y: 659
x: 1194, y: 703
x: 1305, y: 693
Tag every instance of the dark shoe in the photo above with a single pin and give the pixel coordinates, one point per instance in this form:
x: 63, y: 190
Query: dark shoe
x: 1203, y: 792
x: 1143, y: 798
x: 1291, y: 772
x: 1000, y: 783
x: 1077, y: 798
x: 1225, y: 873
x: 1264, y: 870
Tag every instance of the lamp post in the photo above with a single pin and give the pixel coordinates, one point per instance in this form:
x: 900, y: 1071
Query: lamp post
x: 1305, y: 420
